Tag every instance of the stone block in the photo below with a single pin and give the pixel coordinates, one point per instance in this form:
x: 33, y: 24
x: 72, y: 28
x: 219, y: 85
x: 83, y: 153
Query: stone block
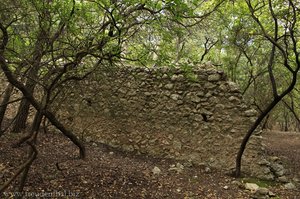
x: 214, y: 77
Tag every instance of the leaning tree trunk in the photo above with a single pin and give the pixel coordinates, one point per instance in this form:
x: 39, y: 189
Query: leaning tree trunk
x: 258, y: 121
x: 276, y: 99
x: 249, y: 134
x: 35, y: 124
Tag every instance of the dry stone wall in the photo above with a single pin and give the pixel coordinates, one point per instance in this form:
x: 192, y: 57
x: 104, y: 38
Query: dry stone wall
x: 196, y: 116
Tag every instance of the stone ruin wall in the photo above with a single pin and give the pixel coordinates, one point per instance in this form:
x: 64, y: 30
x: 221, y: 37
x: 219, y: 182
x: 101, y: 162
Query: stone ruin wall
x: 197, y: 116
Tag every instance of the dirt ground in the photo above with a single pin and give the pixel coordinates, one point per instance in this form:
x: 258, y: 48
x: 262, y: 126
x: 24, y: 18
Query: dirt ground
x: 286, y: 146
x: 109, y: 173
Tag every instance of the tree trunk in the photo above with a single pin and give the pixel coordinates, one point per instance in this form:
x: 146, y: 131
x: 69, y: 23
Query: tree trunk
x: 276, y: 99
x: 9, y: 89
x: 21, y: 117
x: 266, y: 122
x: 249, y: 133
x: 286, y: 121
x: 292, y: 109
x: 34, y: 128
x: 259, y: 120
x: 23, y: 111
x: 32, y: 76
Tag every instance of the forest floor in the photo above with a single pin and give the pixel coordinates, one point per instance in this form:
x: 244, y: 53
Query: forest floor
x: 109, y: 173
x: 286, y: 146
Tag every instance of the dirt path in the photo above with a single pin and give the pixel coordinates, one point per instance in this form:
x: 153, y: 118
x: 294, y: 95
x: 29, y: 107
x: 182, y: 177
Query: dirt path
x: 286, y: 146
x: 108, y: 173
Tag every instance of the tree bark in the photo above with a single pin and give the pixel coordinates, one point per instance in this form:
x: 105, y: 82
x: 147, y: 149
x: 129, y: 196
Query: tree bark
x: 35, y: 125
x: 21, y: 117
x: 9, y: 89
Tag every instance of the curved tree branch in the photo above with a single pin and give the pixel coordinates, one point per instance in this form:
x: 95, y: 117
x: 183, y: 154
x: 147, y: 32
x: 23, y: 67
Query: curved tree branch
x: 29, y: 96
x: 276, y: 100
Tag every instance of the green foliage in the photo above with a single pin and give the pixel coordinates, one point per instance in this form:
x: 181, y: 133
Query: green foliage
x: 246, y: 47
x: 153, y: 33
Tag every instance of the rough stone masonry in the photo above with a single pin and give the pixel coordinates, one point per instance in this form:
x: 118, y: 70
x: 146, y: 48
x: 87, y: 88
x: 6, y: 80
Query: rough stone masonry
x: 193, y: 115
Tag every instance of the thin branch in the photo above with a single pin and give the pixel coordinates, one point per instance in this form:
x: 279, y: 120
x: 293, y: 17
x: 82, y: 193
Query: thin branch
x: 296, y: 53
x: 252, y: 79
x: 292, y: 110
x: 11, y: 102
x: 271, y: 74
x: 267, y: 36
x: 198, y: 18
x: 207, y: 47
x: 273, y: 51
